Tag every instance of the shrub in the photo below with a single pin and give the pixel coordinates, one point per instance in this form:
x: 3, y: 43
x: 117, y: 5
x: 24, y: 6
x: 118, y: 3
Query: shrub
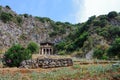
x: 100, y: 23
x: 0, y: 7
x: 43, y: 19
x: 114, y: 50
x: 96, y: 23
x: 103, y: 17
x: 112, y: 14
x: 7, y: 7
x: 52, y: 34
x: 26, y: 15
x: 98, y: 53
x: 62, y: 52
x: 60, y: 46
x: 78, y: 43
x: 62, y: 31
x: 33, y: 47
x: 5, y: 17
x: 90, y: 19
x: 19, y: 19
x: 15, y: 55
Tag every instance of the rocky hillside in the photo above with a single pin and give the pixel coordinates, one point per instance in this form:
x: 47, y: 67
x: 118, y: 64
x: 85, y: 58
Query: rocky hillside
x: 23, y: 28
x: 92, y: 38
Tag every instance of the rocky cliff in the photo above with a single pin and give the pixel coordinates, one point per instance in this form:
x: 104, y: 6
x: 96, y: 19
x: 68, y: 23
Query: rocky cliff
x: 23, y: 28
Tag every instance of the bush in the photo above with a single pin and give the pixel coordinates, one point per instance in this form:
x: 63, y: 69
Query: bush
x: 5, y: 17
x: 52, y: 34
x: 112, y: 14
x: 7, y: 7
x: 60, y: 46
x: 26, y: 15
x: 0, y: 8
x: 33, y: 47
x: 103, y: 17
x: 19, y: 19
x: 15, y: 55
x: 61, y: 52
x: 114, y: 50
x: 98, y: 53
x: 100, y: 23
x: 91, y: 19
x: 78, y: 43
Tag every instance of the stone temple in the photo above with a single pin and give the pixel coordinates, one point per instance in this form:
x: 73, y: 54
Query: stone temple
x: 46, y: 48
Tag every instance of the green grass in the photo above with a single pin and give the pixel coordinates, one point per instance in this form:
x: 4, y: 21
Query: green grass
x: 75, y: 72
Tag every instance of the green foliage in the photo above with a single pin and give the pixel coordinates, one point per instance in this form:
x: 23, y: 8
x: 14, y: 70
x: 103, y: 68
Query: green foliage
x: 98, y: 53
x: 33, y: 47
x: 112, y: 14
x: 100, y: 21
x: 114, y: 50
x: 19, y: 19
x: 60, y: 46
x: 59, y: 23
x: 5, y: 17
x: 76, y: 72
x: 15, y: 55
x: 109, y: 32
x: 43, y: 19
x: 0, y: 8
x: 91, y: 19
x: 62, y: 52
x: 52, y: 34
x: 26, y: 15
x: 8, y: 7
x: 78, y: 43
x: 102, y: 17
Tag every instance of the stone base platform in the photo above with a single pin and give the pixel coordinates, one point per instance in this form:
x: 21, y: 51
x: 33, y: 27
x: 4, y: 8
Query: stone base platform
x: 46, y: 63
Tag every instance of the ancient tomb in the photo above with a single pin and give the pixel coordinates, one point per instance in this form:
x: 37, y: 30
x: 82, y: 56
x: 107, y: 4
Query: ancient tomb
x: 46, y: 48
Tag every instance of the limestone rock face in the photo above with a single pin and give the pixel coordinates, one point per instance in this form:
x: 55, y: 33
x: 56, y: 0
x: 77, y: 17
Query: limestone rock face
x: 46, y: 63
x: 29, y: 29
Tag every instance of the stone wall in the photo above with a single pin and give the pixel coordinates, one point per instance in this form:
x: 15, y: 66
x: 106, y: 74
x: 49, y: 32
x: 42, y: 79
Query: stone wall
x: 46, y: 63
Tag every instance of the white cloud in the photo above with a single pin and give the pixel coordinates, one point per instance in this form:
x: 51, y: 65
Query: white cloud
x: 95, y: 7
x: 79, y: 6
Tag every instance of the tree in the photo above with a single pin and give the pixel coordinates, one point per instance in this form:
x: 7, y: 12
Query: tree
x: 15, y: 55
x: 114, y: 50
x: 5, y: 17
x: 112, y: 14
x: 98, y: 53
x: 33, y: 47
x: 19, y: 19
x: 8, y: 7
x: 91, y: 19
x: 26, y: 15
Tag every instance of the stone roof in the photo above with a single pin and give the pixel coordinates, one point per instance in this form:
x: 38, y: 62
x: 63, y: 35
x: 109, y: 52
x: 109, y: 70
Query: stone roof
x: 46, y: 42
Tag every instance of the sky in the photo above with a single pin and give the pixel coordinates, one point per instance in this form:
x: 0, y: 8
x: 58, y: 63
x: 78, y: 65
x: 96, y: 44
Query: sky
x: 73, y: 11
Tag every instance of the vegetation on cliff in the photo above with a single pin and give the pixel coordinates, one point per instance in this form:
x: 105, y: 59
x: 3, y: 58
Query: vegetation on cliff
x: 96, y: 37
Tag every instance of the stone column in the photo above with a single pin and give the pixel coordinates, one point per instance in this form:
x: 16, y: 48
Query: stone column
x: 39, y: 50
x: 49, y: 51
x: 45, y: 51
x: 42, y: 51
x: 52, y: 51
